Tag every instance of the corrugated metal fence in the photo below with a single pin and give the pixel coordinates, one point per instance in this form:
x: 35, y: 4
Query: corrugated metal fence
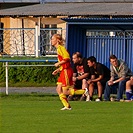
x: 103, y: 46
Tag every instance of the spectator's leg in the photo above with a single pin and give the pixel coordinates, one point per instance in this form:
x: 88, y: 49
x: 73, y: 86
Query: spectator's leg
x: 128, y: 90
x: 107, y: 92
x: 91, y: 90
x: 84, y: 84
x: 78, y: 84
x: 121, y: 87
x: 100, y: 89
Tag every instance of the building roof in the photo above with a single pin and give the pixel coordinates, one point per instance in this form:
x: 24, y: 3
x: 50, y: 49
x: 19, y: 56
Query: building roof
x: 70, y: 9
x: 44, y: 1
x: 113, y: 24
x: 19, y: 1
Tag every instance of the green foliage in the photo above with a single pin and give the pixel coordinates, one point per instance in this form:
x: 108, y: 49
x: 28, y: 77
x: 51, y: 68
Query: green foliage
x: 2, y: 72
x: 31, y: 74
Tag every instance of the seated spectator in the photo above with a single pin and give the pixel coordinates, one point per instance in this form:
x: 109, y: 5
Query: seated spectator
x: 129, y: 89
x: 100, y: 74
x: 120, y: 73
x: 81, y: 73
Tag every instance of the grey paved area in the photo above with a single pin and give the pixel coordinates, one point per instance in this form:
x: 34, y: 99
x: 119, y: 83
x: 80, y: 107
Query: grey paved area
x: 51, y: 90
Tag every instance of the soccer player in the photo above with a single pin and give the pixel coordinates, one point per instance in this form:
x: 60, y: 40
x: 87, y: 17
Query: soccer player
x: 65, y: 82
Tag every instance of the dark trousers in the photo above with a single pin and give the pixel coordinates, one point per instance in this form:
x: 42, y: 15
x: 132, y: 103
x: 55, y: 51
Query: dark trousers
x: 120, y: 86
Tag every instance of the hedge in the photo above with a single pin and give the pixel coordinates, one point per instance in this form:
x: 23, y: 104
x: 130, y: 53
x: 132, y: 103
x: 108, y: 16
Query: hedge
x: 32, y: 74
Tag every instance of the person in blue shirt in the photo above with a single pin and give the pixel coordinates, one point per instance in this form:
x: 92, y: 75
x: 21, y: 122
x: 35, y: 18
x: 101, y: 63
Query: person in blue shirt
x: 129, y: 89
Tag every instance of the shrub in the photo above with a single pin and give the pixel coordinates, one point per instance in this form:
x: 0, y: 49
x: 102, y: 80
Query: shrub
x: 31, y: 74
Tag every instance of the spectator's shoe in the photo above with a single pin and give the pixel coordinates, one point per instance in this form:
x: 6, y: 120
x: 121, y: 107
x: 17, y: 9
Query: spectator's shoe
x: 112, y: 99
x: 105, y: 100
x: 83, y: 98
x: 70, y: 98
x: 117, y: 100
x: 86, y: 93
x: 88, y: 98
x: 65, y: 108
x: 122, y: 100
x: 98, y: 100
x: 131, y: 98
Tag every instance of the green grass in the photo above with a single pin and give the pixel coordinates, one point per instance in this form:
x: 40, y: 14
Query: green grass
x: 39, y: 113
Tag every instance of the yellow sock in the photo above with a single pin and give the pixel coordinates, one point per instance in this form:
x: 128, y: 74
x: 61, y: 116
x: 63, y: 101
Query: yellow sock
x: 76, y: 92
x: 79, y: 92
x: 64, y: 100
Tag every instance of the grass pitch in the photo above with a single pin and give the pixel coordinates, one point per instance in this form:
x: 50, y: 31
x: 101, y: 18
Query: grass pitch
x: 39, y: 113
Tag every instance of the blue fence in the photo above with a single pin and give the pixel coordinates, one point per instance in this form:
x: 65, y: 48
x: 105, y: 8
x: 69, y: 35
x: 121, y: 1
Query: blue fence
x: 103, y: 47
